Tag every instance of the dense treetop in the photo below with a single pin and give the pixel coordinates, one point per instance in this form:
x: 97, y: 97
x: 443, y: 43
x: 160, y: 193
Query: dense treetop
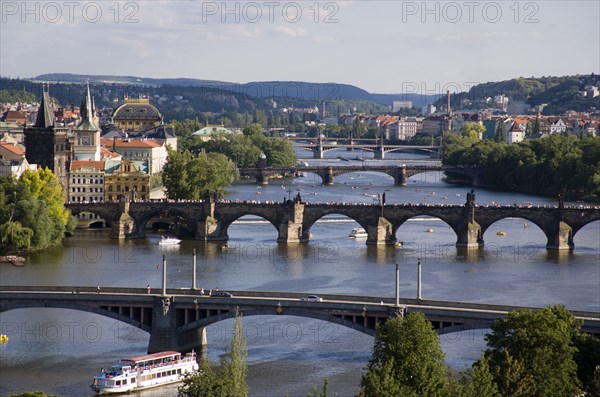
x: 32, y: 213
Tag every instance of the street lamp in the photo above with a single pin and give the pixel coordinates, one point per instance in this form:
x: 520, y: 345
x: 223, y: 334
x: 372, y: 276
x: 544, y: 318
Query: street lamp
x: 419, y: 279
x: 397, y: 285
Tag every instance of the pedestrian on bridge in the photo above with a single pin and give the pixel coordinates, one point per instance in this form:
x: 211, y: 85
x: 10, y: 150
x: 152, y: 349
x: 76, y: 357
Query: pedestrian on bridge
x: 149, y: 289
x: 98, y: 289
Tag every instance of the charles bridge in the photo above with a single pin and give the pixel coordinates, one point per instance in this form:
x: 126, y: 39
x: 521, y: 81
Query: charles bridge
x: 176, y: 319
x: 399, y: 173
x: 209, y: 220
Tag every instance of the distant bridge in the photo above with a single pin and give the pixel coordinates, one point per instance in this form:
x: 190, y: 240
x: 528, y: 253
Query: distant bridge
x: 176, y: 320
x: 379, y: 148
x: 399, y: 173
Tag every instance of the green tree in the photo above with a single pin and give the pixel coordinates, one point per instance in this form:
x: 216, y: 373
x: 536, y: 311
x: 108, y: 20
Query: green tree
x: 534, y: 348
x: 594, y: 386
x: 32, y: 212
x: 473, y: 131
x: 407, y: 360
x: 500, y: 135
x: 14, y: 237
x: 536, y: 127
x: 233, y: 363
x: 324, y: 392
x: 587, y: 358
x: 184, y: 130
x: 190, y: 177
x: 232, y: 379
x: 202, y: 383
x: 480, y: 381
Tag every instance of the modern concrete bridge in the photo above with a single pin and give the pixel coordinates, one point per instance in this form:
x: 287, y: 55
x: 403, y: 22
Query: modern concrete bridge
x: 379, y: 148
x: 399, y: 173
x: 209, y: 220
x: 176, y: 320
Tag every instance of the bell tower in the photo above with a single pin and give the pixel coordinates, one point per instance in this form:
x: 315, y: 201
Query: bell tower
x: 87, y: 134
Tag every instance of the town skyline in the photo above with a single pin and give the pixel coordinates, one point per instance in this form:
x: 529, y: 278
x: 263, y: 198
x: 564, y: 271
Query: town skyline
x: 365, y: 45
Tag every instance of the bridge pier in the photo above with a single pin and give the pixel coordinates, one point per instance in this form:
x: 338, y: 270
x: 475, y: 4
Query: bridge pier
x: 262, y: 178
x: 208, y: 229
x: 164, y: 335
x: 123, y: 228
x: 290, y: 231
x: 318, y: 154
x: 194, y: 339
x: 379, y: 155
x: 327, y: 176
x: 469, y: 233
x: 381, y: 234
x: 400, y: 177
x: 560, y: 237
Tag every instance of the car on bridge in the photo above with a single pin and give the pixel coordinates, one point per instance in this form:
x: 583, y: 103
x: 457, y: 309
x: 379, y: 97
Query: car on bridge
x: 311, y: 298
x: 221, y: 294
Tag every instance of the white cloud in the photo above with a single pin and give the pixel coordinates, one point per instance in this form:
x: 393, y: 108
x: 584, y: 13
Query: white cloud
x: 291, y: 32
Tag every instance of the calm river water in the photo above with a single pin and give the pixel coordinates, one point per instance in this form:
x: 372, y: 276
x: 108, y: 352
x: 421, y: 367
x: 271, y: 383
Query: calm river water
x: 59, y: 351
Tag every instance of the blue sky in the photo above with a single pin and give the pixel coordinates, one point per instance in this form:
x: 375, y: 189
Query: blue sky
x: 381, y: 46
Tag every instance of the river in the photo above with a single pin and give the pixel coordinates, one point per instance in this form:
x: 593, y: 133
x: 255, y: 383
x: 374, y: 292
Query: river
x: 59, y: 351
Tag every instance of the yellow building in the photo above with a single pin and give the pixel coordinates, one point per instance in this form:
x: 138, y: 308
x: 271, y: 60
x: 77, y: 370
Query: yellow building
x: 126, y: 177
x: 137, y: 114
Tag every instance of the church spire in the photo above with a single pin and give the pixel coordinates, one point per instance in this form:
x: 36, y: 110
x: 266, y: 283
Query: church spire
x: 45, y: 115
x: 86, y: 110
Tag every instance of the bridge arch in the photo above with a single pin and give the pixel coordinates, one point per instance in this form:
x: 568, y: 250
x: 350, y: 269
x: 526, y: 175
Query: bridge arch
x: 593, y: 224
x: 227, y: 220
x: 578, y: 226
x: 168, y: 214
x: 346, y: 321
x: 144, y: 326
x: 490, y: 221
x: 310, y: 218
x: 398, y: 223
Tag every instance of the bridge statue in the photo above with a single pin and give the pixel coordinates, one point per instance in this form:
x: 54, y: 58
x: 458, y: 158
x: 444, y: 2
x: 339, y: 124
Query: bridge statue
x: 470, y: 199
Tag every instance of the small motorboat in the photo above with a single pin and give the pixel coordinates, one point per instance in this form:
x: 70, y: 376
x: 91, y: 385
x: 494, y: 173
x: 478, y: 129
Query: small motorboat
x: 429, y: 230
x: 358, y: 232
x: 501, y: 233
x: 168, y: 241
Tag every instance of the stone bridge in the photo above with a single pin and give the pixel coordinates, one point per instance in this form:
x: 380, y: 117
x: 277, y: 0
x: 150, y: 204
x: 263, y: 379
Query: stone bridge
x: 399, y: 173
x: 209, y: 220
x: 176, y: 320
x: 379, y: 148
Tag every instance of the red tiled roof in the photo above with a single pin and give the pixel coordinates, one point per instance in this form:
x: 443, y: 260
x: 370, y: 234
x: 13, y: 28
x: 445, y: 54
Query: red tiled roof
x: 130, y: 143
x: 12, y: 148
x: 104, y: 152
x: 78, y: 164
x: 15, y: 116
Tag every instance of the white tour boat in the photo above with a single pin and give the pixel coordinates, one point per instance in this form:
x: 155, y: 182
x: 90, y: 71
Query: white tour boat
x: 358, y: 232
x: 144, y: 372
x: 168, y: 240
